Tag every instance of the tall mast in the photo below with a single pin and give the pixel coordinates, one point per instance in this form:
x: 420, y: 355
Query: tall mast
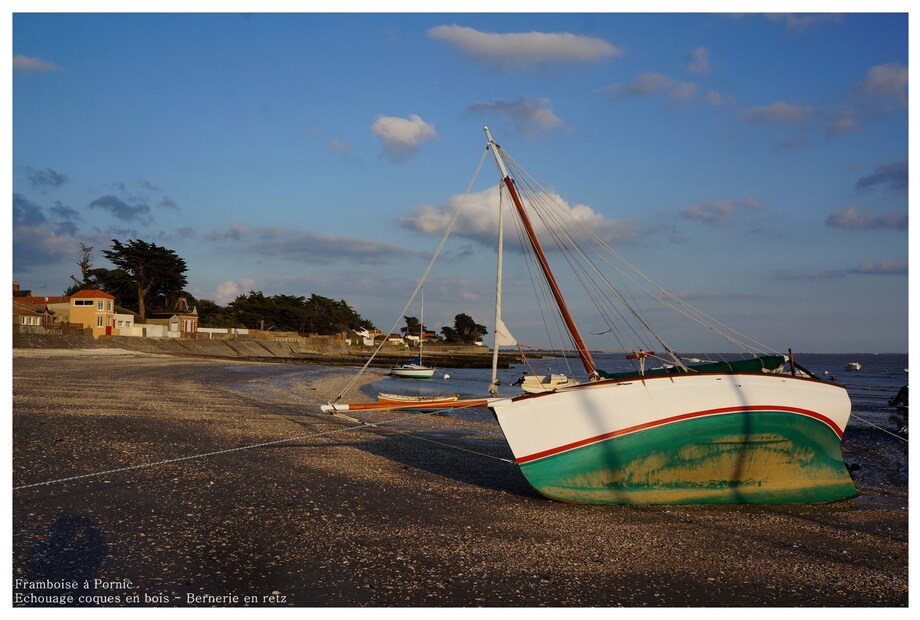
x: 493, y: 385
x: 583, y: 353
x: 421, y: 328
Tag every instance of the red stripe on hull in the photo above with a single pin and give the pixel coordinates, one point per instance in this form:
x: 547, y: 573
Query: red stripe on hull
x: 678, y: 418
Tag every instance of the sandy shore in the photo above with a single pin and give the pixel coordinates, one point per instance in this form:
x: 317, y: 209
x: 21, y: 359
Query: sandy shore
x: 144, y: 480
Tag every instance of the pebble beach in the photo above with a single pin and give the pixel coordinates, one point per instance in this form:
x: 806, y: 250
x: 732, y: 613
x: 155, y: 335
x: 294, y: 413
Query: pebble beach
x: 143, y: 480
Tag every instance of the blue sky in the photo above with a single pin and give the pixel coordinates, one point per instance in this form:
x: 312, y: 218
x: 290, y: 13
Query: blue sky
x: 754, y: 164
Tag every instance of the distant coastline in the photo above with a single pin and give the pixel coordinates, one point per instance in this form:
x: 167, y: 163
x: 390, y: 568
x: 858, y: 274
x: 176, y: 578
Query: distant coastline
x: 269, y: 351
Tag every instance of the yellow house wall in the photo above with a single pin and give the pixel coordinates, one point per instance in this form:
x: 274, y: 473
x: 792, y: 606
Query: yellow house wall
x: 88, y: 316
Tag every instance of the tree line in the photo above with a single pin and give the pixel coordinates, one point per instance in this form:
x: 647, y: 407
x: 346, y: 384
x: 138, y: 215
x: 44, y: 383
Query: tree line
x: 150, y: 278
x: 464, y: 331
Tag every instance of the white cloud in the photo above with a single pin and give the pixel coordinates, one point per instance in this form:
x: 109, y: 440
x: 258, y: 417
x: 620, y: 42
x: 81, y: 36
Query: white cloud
x: 710, y: 212
x: 305, y: 246
x: 402, y: 137
x: 337, y: 146
x: 228, y: 290
x: 30, y: 64
x: 852, y: 218
x: 887, y: 267
x: 887, y: 82
x: 518, y: 50
x: 895, y: 176
x: 751, y: 203
x: 41, y: 244
x: 718, y: 213
x: 479, y: 219
x: 840, y: 124
x: 715, y: 98
x: 699, y: 61
x: 651, y: 83
x: 529, y: 116
x: 793, y: 144
x: 780, y: 112
x: 800, y: 22
x: 40, y: 240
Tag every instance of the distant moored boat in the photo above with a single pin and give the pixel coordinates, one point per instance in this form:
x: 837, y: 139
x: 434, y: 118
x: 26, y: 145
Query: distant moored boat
x: 415, y: 369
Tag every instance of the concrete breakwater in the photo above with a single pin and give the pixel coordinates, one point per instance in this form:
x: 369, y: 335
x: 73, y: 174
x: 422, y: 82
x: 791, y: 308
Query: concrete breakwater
x: 336, y: 354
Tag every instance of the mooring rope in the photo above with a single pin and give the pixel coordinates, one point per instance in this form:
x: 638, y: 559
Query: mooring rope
x: 447, y: 445
x: 904, y: 439
x: 361, y: 425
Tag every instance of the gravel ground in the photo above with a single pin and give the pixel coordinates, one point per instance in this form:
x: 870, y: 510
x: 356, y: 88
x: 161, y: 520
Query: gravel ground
x: 326, y: 514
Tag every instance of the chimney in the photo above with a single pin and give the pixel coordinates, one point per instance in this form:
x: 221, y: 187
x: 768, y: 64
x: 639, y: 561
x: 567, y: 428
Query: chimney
x: 15, y: 286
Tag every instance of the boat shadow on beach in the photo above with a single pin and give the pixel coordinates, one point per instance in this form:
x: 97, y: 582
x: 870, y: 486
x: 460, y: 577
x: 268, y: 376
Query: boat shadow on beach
x: 458, y: 454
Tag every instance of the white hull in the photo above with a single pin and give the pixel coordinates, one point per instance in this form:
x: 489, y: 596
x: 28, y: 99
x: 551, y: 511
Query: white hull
x: 540, y: 423
x: 705, y: 438
x: 412, y: 371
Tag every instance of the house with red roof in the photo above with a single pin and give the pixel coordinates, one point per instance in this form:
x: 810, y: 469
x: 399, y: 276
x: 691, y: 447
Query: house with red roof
x: 38, y: 313
x: 94, y: 310
x: 24, y: 314
x: 182, y: 323
x: 57, y: 307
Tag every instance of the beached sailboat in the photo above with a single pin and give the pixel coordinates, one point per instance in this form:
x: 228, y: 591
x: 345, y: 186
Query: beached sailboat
x: 416, y: 369
x: 755, y: 430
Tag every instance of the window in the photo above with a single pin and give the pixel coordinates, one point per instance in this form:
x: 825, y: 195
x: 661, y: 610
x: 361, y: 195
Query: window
x: 99, y: 320
x: 99, y: 305
x: 83, y: 302
x: 108, y: 305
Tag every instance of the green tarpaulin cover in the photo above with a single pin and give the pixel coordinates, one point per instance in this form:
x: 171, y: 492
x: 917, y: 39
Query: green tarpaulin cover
x: 758, y: 364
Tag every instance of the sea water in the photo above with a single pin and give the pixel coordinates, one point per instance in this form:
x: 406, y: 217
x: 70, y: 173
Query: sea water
x: 870, y: 388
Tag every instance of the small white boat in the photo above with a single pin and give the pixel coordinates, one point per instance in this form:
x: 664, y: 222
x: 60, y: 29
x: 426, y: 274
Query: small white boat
x: 412, y: 371
x: 854, y: 366
x: 537, y: 384
x: 416, y: 369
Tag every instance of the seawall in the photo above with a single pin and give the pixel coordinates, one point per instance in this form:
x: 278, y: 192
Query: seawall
x: 337, y: 354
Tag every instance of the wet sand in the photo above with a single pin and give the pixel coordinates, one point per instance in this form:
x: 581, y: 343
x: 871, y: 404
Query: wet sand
x: 423, y: 511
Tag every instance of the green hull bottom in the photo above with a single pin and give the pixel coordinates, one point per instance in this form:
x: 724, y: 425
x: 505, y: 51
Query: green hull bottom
x: 762, y: 457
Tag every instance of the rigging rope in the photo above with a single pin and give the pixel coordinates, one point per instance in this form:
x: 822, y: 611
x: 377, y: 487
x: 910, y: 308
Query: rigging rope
x: 904, y: 439
x: 544, y: 304
x: 181, y: 458
x: 421, y: 281
x: 555, y: 226
x: 662, y: 296
x: 447, y: 445
x: 360, y: 426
